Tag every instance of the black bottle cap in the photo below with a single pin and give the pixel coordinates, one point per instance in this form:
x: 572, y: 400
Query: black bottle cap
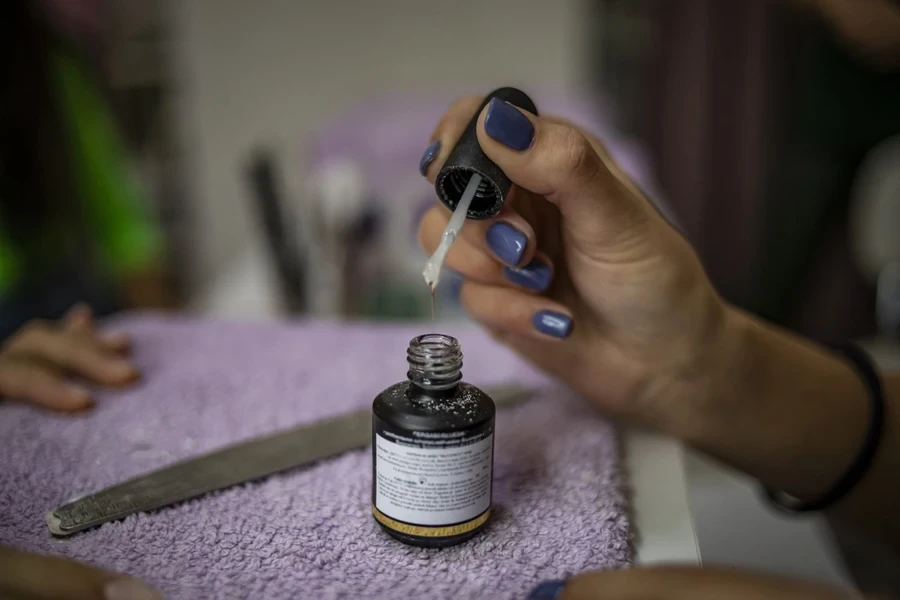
x: 467, y: 159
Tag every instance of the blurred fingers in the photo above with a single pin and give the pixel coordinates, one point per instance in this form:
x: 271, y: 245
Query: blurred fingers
x: 683, y: 583
x: 118, y: 342
x: 39, y: 577
x: 29, y: 381
x: 74, y: 351
x: 79, y: 318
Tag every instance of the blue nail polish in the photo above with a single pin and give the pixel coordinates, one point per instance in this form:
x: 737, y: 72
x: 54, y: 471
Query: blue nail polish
x: 507, y: 242
x: 430, y: 153
x: 552, y: 323
x: 506, y: 124
x: 547, y: 590
x: 536, y: 275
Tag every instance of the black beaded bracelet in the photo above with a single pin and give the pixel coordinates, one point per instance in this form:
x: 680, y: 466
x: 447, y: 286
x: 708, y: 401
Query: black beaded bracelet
x: 866, y: 369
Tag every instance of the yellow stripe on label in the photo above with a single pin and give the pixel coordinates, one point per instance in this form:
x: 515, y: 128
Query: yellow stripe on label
x: 419, y: 530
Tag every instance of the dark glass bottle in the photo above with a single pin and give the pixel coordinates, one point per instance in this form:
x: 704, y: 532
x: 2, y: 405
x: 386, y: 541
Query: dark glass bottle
x: 432, y: 450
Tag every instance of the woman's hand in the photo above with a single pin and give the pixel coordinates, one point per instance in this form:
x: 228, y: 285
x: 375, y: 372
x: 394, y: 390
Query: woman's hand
x: 579, y: 273
x: 36, y: 362
x: 26, y: 576
x: 674, y: 583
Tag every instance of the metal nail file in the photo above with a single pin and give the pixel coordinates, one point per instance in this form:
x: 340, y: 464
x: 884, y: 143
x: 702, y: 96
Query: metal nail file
x: 301, y: 446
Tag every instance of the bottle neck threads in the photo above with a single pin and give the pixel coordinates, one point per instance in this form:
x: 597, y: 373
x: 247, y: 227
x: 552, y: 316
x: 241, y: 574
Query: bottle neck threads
x: 435, y: 361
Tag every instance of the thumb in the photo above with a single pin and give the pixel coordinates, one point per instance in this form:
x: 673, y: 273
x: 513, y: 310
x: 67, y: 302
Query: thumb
x: 37, y: 577
x: 600, y: 208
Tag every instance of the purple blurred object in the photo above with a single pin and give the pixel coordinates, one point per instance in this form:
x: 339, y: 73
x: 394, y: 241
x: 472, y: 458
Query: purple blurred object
x: 558, y: 489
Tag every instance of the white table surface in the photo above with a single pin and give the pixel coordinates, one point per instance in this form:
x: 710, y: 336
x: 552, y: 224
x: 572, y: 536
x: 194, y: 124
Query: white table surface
x: 687, y: 509
x: 664, y: 529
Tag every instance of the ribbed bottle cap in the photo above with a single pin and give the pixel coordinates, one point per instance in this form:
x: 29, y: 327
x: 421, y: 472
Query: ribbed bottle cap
x: 468, y: 158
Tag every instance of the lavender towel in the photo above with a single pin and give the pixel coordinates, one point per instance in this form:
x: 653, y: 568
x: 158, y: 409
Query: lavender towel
x: 558, y: 490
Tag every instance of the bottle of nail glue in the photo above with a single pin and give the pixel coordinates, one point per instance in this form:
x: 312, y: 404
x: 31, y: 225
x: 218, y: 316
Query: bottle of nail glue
x: 432, y: 450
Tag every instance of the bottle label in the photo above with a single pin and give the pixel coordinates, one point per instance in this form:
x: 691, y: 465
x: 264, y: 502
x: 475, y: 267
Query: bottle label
x: 433, y: 479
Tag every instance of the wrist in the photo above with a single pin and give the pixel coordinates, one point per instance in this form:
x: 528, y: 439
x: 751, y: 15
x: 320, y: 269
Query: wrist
x: 779, y: 408
x: 719, y: 389
x: 690, y: 400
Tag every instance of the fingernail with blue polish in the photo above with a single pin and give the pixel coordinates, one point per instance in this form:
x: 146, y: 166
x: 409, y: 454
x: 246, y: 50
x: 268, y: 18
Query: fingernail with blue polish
x: 536, y: 275
x: 552, y: 323
x: 506, y: 124
x: 507, y: 242
x: 547, y: 590
x: 430, y: 153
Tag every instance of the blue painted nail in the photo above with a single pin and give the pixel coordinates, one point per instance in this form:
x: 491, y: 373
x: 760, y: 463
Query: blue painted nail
x: 506, y: 124
x: 536, y: 275
x: 507, y: 242
x: 552, y: 323
x: 430, y: 153
x: 547, y: 590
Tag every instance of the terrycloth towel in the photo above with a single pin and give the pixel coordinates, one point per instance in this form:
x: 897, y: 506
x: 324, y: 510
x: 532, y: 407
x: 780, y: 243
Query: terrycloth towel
x: 558, y: 489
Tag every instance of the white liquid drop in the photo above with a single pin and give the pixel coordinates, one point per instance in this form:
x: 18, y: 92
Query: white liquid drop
x: 432, y: 272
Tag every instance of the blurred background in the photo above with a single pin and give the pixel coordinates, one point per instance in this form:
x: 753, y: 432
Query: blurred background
x: 258, y: 160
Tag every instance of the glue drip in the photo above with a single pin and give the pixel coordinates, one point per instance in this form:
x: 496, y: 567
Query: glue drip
x: 432, y: 272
